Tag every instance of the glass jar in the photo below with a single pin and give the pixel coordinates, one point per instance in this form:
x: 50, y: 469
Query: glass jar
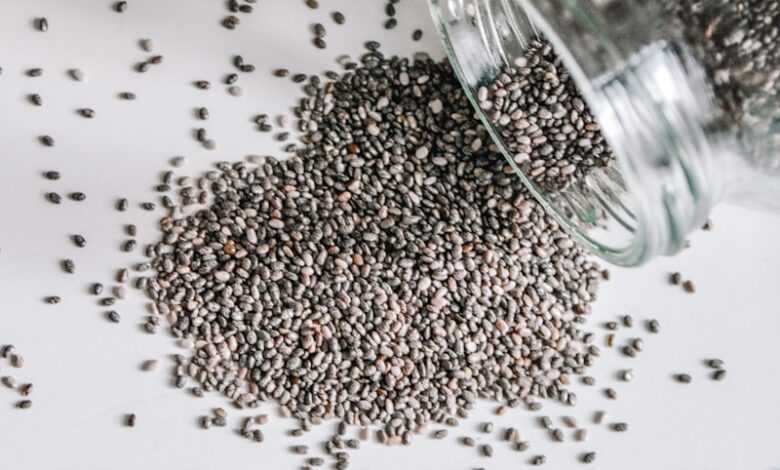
x: 685, y: 93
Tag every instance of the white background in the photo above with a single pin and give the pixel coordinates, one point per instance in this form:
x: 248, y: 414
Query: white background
x: 86, y: 370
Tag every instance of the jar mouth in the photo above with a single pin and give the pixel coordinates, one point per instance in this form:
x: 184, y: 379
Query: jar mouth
x: 614, y: 211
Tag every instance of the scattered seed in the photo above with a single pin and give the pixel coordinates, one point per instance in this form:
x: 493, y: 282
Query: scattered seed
x: 79, y: 240
x: 24, y: 404
x: 719, y: 375
x: 391, y: 23
x: 53, y: 299
x: 675, y: 279
x: 319, y: 43
x: 9, y: 381
x: 486, y: 450
x: 557, y: 435
x: 440, y: 434
x: 611, y: 393
x: 149, y: 365
x: 689, y: 287
x: 581, y: 435
x: 130, y: 420
x: 146, y: 44
x: 122, y: 205
x: 47, y: 140
x: 611, y: 325
x: 417, y: 35
x: 716, y: 363
x: 36, y: 99
x: 620, y: 427
x: 628, y: 321
x: 68, y: 266
x: 235, y: 90
x: 52, y: 175
x: 120, y: 7
x: 77, y: 196
x: 684, y: 378
x: 589, y: 457
x: 627, y: 375
x: 338, y: 17
x: 468, y: 441
x: 43, y: 25
x: 653, y: 326
x: 539, y: 460
x: 203, y: 84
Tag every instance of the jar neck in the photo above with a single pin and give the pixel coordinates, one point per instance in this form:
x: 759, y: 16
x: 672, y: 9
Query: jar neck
x: 657, y: 113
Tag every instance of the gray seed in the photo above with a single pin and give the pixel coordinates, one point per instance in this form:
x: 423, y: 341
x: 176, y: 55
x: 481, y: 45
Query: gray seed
x: 522, y: 446
x: 338, y: 17
x: 539, y: 460
x: 114, y: 316
x: 581, y: 435
x: 589, y: 457
x: 439, y: 434
x: 68, y: 266
x: 684, y: 378
x: 146, y: 44
x: 719, y: 375
x: 97, y: 288
x: 235, y: 90
x: 17, y: 360
x: 653, y: 326
x: 716, y: 363
x: 79, y: 240
x: 486, y: 450
x: 620, y: 427
x: 628, y: 321
x: 300, y: 449
x: 546, y: 422
x: 24, y: 404
x: 557, y: 434
x: 468, y: 441
x: 203, y: 113
x: 149, y: 365
x: 598, y: 417
x: 316, y: 461
x: 611, y: 393
x: 9, y: 382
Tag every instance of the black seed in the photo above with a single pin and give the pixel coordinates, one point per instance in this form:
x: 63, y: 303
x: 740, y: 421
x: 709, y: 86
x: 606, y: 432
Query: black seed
x: 373, y: 46
x: 313, y: 4
x: 319, y: 30
x: 391, y: 23
x: 52, y: 175
x: 148, y: 206
x: 120, y: 7
x: 203, y: 113
x: 87, y: 113
x: 281, y: 73
x: 52, y: 300
x: 620, y: 427
x: 121, y: 205
x: 203, y: 84
x: 79, y: 240
x: 320, y: 43
x: 47, y: 140
x: 97, y: 288
x: 142, y: 67
x: 233, y: 6
x: 231, y: 79
x: 126, y: 95
x: 36, y: 72
x: 719, y: 375
x: 129, y: 245
x: 230, y: 22
x: 245, y: 8
x: 77, y: 196
x: 108, y: 301
x: 156, y: 60
x: 68, y: 266
x: 130, y: 420
x: 417, y: 34
x: 43, y: 25
x: 36, y: 99
x: 238, y: 60
x: 54, y: 198
x: 338, y: 17
x: 390, y: 10
x: 247, y: 68
x: 588, y: 457
x: 299, y: 78
x: 200, y: 135
x: 113, y: 316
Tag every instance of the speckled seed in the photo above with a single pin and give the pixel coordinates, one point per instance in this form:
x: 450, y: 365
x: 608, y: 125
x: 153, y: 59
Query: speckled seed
x: 439, y: 434
x: 611, y: 393
x: 628, y: 321
x: 522, y: 446
x: 684, y: 378
x: 619, y: 427
x: 539, y: 460
x: 468, y: 441
x: 716, y: 363
x: 557, y: 434
x: 486, y: 450
x: 24, y: 404
x: 114, y: 316
x: 589, y: 457
x: 719, y: 375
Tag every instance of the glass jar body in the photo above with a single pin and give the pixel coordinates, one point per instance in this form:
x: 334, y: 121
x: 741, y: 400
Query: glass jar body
x: 681, y: 96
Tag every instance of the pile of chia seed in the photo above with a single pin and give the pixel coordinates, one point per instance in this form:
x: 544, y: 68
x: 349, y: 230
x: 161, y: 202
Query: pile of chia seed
x: 392, y: 273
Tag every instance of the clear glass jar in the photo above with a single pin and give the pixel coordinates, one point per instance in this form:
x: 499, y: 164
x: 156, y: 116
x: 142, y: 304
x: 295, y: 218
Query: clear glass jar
x: 689, y: 125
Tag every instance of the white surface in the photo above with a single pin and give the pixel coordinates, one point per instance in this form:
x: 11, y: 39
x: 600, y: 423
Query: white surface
x: 86, y: 370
